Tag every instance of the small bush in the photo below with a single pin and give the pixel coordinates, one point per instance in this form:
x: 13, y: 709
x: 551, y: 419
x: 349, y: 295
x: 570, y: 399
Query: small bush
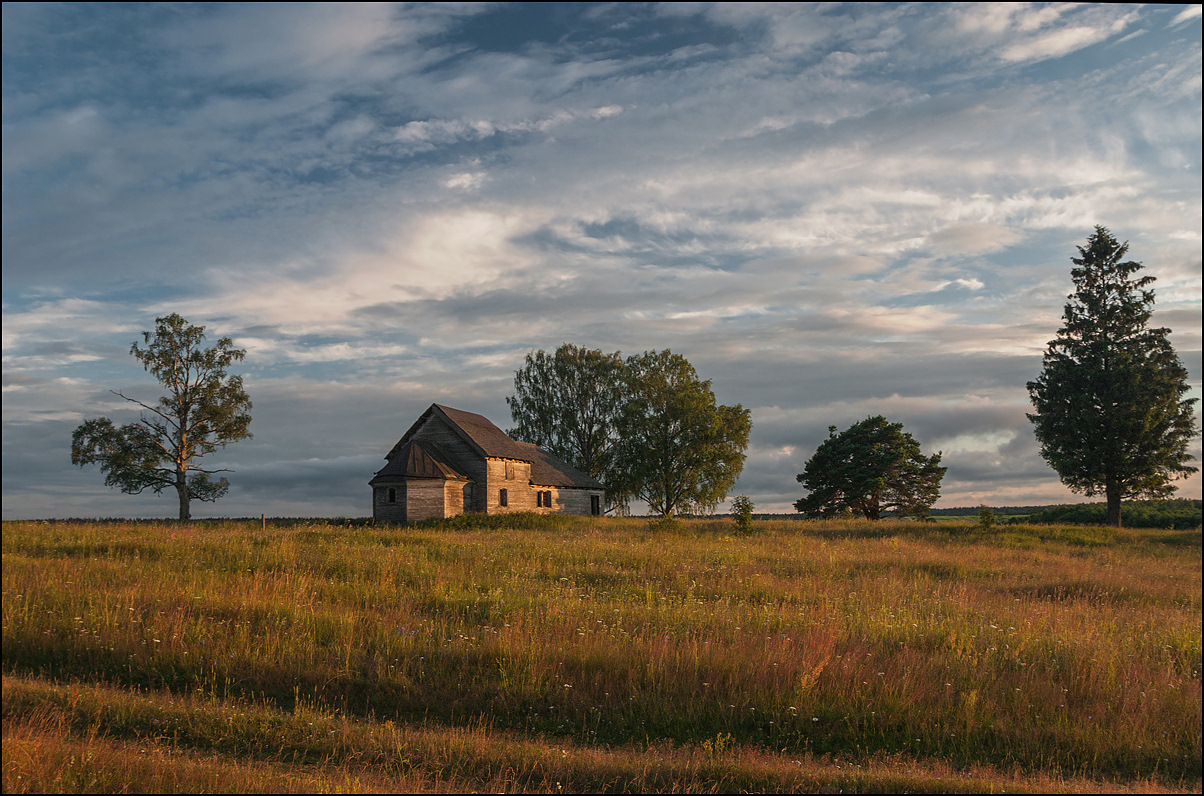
x: 742, y: 511
x: 665, y: 524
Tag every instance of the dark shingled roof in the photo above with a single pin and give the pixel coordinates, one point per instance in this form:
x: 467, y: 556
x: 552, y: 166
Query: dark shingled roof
x: 492, y: 442
x: 547, y: 470
x: 419, y: 460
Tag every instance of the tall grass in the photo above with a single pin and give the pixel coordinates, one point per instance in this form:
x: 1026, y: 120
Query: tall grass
x: 1063, y: 654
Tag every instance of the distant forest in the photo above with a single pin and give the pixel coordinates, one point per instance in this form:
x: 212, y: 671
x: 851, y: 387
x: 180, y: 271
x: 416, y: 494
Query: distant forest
x: 1179, y: 514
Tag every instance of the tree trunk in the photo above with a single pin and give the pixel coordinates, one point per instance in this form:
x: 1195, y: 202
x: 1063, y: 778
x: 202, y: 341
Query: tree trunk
x: 182, y: 491
x: 1113, y: 493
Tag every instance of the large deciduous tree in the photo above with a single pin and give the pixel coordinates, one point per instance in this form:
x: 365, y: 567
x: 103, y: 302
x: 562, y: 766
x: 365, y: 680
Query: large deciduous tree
x: 1110, y: 408
x: 205, y: 408
x: 870, y: 468
x: 568, y: 403
x: 679, y: 449
x: 647, y: 427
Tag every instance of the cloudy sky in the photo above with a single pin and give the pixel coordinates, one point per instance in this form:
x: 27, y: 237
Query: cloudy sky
x: 832, y: 211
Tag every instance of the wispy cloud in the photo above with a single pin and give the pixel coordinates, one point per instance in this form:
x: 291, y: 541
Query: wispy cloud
x: 1190, y: 12
x: 830, y: 210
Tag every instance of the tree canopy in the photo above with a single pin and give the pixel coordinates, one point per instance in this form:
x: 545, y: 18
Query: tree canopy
x: 568, y: 403
x: 680, y: 450
x: 1110, y: 408
x: 647, y: 426
x: 205, y: 409
x: 868, y: 469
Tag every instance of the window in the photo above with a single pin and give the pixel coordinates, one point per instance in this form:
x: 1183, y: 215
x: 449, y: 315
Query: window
x: 547, y: 499
x: 539, y: 500
x: 503, y: 499
x: 392, y: 495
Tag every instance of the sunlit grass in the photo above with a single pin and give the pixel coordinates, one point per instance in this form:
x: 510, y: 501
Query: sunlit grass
x: 1061, y: 653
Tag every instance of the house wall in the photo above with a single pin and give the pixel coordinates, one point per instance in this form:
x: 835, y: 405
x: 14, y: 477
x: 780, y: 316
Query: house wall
x: 571, y: 501
x: 425, y: 499
x: 454, y: 495
x: 385, y: 512
x: 513, y: 476
x: 466, y: 457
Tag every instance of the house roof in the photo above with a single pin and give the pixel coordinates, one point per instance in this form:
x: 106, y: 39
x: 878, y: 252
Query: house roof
x: 491, y: 442
x: 549, y: 470
x: 419, y: 460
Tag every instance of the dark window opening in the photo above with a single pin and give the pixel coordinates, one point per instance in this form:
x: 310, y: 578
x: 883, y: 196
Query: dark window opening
x: 392, y: 495
x: 539, y: 500
x: 503, y: 498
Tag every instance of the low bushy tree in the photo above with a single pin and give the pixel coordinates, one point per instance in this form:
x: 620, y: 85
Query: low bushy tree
x: 742, y: 511
x: 871, y: 468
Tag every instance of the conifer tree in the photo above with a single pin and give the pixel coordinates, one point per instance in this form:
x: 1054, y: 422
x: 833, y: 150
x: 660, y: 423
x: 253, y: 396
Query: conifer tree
x: 870, y: 468
x: 1111, y: 413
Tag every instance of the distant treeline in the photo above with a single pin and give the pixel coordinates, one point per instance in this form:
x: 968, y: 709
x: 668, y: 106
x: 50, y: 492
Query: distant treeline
x: 1179, y: 514
x: 1001, y: 511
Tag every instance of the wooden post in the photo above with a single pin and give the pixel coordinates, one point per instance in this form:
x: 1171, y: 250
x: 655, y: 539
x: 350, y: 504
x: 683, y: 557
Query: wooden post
x: 263, y: 518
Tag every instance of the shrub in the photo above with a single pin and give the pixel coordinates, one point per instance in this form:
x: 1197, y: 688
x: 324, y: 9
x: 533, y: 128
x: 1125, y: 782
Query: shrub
x: 742, y: 511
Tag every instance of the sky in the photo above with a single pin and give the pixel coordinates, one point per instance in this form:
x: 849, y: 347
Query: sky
x: 832, y: 211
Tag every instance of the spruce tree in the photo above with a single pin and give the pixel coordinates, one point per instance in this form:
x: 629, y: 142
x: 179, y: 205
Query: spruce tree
x: 1111, y: 413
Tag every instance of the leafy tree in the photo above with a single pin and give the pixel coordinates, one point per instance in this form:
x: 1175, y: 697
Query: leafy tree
x: 568, y: 403
x: 872, y: 467
x: 678, y: 449
x: 1111, y: 415
x: 646, y: 427
x: 742, y: 511
x: 205, y: 409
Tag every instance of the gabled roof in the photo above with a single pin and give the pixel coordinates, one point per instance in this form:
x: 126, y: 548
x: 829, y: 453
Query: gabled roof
x: 491, y: 442
x: 476, y: 430
x: 419, y: 460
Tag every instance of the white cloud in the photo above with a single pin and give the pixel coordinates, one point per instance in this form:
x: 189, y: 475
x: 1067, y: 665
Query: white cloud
x: 467, y: 180
x: 1190, y: 12
x: 973, y: 238
x: 1054, y: 44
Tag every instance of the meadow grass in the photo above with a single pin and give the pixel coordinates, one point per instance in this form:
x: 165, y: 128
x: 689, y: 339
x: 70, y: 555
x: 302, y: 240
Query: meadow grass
x: 599, y: 654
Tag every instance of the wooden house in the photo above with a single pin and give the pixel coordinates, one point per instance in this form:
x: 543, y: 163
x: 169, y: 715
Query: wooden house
x: 451, y: 461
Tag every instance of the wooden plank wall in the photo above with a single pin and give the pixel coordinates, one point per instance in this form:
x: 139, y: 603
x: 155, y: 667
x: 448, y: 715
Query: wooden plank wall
x: 384, y: 511
x: 462, y: 454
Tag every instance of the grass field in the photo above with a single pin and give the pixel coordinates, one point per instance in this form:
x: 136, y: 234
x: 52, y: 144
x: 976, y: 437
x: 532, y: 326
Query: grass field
x: 567, y: 655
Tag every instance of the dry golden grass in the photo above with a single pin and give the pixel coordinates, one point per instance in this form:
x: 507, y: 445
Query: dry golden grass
x: 589, y: 655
